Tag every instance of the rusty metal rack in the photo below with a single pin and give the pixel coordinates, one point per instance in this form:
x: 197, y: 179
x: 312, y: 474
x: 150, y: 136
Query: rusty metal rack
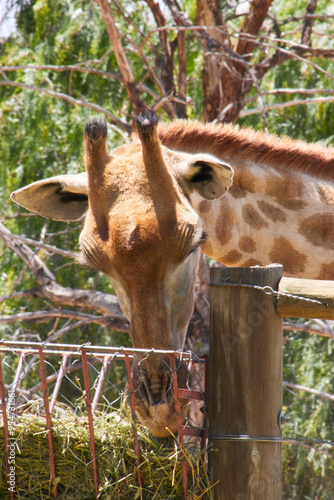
x: 104, y: 355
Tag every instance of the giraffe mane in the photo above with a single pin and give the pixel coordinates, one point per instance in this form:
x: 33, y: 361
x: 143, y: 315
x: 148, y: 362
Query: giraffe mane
x: 247, y: 144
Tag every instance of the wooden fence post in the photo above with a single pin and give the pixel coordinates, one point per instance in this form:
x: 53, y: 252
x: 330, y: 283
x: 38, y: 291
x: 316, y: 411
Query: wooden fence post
x: 245, y: 385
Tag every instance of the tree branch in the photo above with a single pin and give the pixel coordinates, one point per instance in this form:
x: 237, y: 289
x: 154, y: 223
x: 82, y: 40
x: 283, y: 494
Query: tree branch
x: 306, y: 327
x: 44, y: 246
x: 48, y: 315
x: 287, y: 104
x: 50, y: 289
x: 128, y: 78
x: 166, y: 100
x: 298, y: 47
x: 290, y: 91
x: 182, y: 75
x: 321, y: 394
x: 235, y: 91
x: 61, y: 68
x: 308, y: 23
x: 306, y: 16
x: 167, y: 74
x: 59, y: 95
x: 165, y: 64
x: 251, y: 25
x: 80, y: 69
x: 183, y: 22
x: 308, y: 447
x: 32, y: 292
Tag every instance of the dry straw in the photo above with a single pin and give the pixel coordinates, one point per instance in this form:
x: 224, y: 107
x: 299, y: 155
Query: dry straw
x: 160, y: 460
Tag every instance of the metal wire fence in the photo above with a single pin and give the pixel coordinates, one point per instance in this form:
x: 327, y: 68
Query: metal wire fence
x: 56, y: 376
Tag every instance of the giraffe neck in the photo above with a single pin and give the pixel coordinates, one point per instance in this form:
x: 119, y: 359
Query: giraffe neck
x: 270, y: 216
x: 280, y: 207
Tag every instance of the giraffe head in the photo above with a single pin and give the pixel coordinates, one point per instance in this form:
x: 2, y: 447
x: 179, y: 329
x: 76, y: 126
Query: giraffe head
x: 141, y: 230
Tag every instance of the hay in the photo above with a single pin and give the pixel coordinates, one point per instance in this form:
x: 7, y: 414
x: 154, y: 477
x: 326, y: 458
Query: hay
x: 160, y: 461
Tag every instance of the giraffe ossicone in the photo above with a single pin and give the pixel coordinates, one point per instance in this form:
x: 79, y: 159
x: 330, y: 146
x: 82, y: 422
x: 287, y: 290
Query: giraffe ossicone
x: 244, y: 198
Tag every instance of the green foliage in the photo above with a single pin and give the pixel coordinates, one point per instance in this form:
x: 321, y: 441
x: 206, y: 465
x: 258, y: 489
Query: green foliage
x: 309, y: 469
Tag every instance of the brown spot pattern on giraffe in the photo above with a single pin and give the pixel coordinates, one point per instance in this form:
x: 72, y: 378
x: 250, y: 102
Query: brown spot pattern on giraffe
x: 237, y: 192
x: 204, y: 207
x: 253, y: 218
x: 231, y: 258
x: 242, y: 184
x: 282, y: 252
x: 251, y: 262
x: 225, y: 222
x: 319, y: 230
x: 273, y: 213
x: 287, y: 192
x: 247, y: 244
x: 327, y: 272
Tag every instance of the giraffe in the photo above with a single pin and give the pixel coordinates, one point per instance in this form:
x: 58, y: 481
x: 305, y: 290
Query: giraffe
x: 140, y: 230
x: 243, y: 197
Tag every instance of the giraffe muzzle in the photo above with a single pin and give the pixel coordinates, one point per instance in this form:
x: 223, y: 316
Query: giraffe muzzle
x: 155, y: 398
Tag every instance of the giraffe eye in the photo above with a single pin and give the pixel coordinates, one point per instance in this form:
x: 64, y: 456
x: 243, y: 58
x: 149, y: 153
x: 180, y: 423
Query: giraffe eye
x: 204, y: 238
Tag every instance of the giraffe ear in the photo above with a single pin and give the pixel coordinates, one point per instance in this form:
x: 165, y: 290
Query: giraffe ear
x: 64, y: 197
x: 209, y: 176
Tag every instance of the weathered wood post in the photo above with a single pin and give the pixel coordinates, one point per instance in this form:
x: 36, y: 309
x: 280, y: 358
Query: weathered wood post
x: 245, y: 385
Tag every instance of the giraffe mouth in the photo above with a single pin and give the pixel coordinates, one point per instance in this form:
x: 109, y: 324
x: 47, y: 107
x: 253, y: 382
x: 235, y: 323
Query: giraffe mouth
x: 158, y: 391
x: 155, y: 398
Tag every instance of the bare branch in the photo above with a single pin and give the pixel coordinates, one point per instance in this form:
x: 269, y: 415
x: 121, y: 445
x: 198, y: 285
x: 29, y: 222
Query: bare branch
x: 308, y: 23
x: 166, y: 100
x: 306, y: 327
x: 308, y: 447
x: 32, y: 292
x: 228, y: 77
x: 17, y: 215
x: 44, y: 246
x: 306, y: 16
x: 165, y: 64
x: 321, y: 394
x: 182, y: 76
x: 50, y: 289
x: 183, y: 22
x: 128, y: 78
x: 251, y: 25
x: 112, y: 322
x: 299, y: 47
x: 60, y: 95
x: 80, y: 69
x: 287, y: 104
x: 61, y: 68
x: 48, y: 315
x: 290, y: 91
x: 281, y: 55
